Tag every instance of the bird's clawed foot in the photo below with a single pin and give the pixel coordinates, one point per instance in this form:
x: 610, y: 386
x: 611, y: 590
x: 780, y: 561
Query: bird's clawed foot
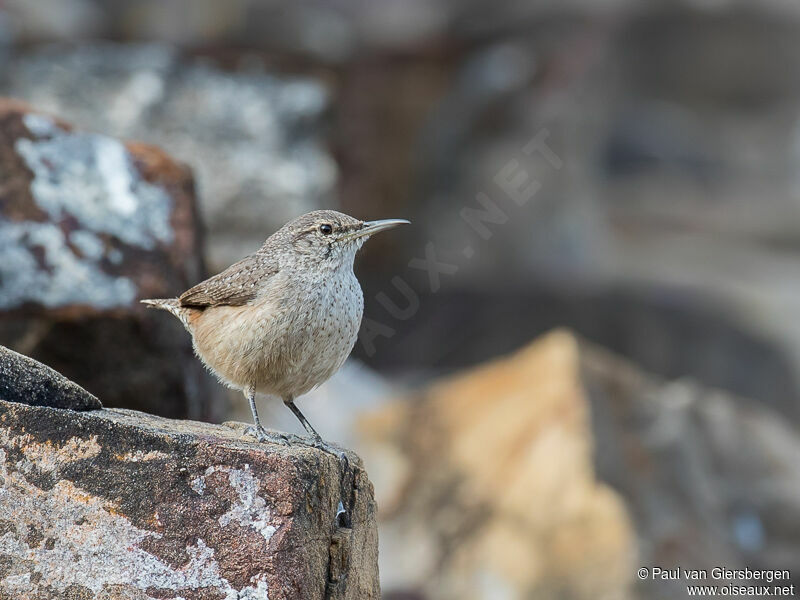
x: 320, y: 444
x: 287, y: 439
x: 267, y: 437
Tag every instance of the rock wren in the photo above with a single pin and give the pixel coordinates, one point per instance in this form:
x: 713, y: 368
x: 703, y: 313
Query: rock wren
x: 284, y: 319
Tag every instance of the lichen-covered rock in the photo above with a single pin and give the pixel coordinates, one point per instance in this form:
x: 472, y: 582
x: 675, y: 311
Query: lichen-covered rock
x: 89, y: 224
x: 119, y: 504
x: 253, y: 139
x: 25, y: 380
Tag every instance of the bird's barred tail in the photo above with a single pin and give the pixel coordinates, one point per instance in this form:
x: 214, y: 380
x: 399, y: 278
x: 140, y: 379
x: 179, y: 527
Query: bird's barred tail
x: 169, y: 304
x: 172, y: 305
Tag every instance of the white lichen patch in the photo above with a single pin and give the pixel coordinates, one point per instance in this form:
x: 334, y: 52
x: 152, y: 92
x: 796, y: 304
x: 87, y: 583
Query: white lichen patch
x: 88, y: 543
x: 251, y: 509
x: 92, y: 178
x: 259, y: 592
x: 40, y: 125
x: 88, y: 243
x: 198, y: 484
x: 62, y: 278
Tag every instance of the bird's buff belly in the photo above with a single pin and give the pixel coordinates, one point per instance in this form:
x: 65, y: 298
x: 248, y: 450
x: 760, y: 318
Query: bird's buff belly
x: 260, y: 348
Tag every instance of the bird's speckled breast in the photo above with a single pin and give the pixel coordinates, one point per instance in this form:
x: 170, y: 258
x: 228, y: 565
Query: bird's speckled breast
x: 307, y: 332
x: 331, y: 322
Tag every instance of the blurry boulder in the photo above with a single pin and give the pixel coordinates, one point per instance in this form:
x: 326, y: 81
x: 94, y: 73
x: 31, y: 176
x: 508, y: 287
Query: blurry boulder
x: 253, y: 139
x: 561, y: 469
x: 24, y: 21
x: 330, y: 33
x: 88, y: 225
x: 488, y: 477
x: 710, y: 480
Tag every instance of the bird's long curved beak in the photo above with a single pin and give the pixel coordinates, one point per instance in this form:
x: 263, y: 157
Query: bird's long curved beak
x: 372, y: 227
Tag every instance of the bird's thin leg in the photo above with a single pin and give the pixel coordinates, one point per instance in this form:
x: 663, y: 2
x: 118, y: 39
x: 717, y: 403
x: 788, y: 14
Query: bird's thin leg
x: 258, y: 431
x: 289, y: 401
x: 250, y: 394
x: 317, y: 441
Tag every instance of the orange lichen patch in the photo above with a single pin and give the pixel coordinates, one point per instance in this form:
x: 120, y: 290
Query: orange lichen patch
x: 46, y: 455
x: 141, y: 456
x: 66, y: 490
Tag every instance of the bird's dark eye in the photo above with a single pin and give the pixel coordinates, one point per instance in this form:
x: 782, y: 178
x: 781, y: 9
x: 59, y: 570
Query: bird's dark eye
x: 326, y: 229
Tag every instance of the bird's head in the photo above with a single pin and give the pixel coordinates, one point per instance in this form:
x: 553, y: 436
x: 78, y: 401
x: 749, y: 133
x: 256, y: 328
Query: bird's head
x: 331, y: 236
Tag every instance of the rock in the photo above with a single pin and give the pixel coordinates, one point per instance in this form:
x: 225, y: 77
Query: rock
x: 88, y: 222
x: 30, y: 382
x: 710, y: 479
x: 88, y: 225
x: 561, y: 469
x: 254, y: 140
x: 120, y: 504
x: 488, y: 476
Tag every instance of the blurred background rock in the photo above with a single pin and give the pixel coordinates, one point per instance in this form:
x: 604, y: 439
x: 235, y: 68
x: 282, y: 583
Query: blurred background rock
x: 665, y: 228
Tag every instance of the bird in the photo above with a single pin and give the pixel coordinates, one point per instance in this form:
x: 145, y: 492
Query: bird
x: 282, y: 320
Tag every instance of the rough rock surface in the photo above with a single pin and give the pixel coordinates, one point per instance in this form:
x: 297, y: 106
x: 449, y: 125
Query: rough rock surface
x: 88, y: 225
x: 25, y: 380
x: 118, y: 504
x: 488, y: 476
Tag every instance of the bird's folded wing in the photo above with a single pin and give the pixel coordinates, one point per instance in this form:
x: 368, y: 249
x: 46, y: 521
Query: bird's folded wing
x: 235, y: 286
